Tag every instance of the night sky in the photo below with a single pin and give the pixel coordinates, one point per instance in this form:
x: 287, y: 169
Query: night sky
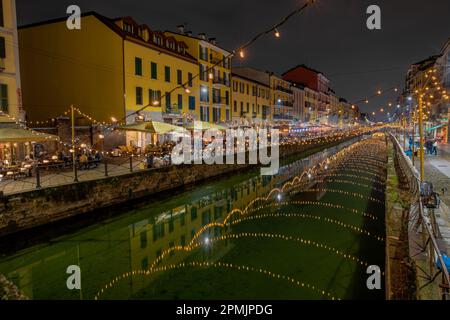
x: 331, y: 36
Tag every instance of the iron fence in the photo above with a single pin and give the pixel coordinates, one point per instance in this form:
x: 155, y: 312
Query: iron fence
x: 422, y: 224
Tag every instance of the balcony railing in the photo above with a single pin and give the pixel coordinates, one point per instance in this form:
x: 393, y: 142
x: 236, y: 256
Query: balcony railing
x: 174, y: 110
x: 222, y: 81
x: 284, y: 104
x: 282, y: 117
x: 216, y: 60
x: 283, y: 89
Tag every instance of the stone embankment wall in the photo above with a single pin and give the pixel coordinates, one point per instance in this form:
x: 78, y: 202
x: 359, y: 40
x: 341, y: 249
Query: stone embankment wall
x: 39, y: 207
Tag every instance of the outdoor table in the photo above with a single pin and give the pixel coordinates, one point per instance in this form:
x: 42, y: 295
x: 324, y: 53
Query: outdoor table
x: 11, y: 171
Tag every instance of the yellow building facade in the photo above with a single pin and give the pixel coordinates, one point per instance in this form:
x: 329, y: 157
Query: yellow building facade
x: 214, y: 71
x: 250, y: 100
x: 10, y: 83
x: 108, y: 69
x: 282, y: 98
x: 312, y: 105
x: 62, y: 67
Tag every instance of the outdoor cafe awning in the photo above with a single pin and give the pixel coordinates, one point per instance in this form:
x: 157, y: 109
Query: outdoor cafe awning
x: 6, y: 120
x: 152, y: 127
x: 21, y: 135
x: 205, y: 126
x: 437, y: 127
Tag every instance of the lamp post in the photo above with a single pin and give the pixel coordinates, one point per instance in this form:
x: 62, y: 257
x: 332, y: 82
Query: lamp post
x: 74, y: 156
x: 422, y: 139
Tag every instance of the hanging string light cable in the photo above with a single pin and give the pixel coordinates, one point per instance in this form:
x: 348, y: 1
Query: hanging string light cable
x: 239, y: 50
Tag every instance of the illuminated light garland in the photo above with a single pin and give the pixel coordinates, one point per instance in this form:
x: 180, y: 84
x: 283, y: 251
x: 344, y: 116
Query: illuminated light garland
x: 360, y: 171
x: 308, y: 216
x: 367, y: 168
x: 305, y: 242
x: 274, y: 191
x: 265, y: 235
x: 314, y: 203
x: 328, y: 205
x: 377, y: 181
x: 372, y: 165
x: 350, y: 182
x: 217, y: 265
x: 342, y: 192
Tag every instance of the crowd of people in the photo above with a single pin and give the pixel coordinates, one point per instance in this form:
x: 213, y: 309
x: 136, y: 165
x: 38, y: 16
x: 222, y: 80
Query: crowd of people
x: 430, y: 147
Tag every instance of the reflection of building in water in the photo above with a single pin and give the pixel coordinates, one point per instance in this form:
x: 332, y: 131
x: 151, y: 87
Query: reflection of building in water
x: 112, y: 249
x: 178, y: 226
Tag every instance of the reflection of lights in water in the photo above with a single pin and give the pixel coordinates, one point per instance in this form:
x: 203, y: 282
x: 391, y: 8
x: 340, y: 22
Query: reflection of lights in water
x: 216, y: 265
x: 342, y: 192
x: 308, y: 216
x: 337, y: 175
x: 341, y: 181
x: 299, y: 240
x: 256, y: 205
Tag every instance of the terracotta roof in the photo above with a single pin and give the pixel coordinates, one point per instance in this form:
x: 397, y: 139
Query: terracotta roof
x: 303, y: 66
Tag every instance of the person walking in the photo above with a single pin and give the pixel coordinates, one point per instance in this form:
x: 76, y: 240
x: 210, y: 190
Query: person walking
x: 435, y: 145
x: 429, y: 146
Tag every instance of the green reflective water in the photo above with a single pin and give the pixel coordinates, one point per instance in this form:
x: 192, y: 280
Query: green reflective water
x: 266, y: 256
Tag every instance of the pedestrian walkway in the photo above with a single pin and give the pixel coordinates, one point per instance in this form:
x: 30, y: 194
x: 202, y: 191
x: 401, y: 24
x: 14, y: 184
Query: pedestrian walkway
x: 437, y: 171
x: 10, y: 186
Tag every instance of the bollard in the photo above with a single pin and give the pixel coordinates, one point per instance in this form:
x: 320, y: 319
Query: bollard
x: 106, y: 168
x: 131, y: 164
x: 38, y: 178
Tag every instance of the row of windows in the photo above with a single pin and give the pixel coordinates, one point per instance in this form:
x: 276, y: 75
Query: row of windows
x: 155, y: 95
x: 4, y: 98
x: 245, y: 88
x: 155, y: 38
x: 216, y: 116
x: 255, y: 108
x: 214, y: 57
x: 217, y: 76
x: 138, y: 70
x: 217, y: 98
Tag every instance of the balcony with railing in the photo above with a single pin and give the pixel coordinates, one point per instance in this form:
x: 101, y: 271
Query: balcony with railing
x: 279, y: 103
x: 281, y: 116
x: 283, y: 89
x: 216, y: 60
x: 221, y: 81
x: 218, y: 100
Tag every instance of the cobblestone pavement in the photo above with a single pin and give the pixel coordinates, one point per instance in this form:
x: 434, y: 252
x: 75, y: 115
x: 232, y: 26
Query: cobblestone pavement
x: 10, y: 186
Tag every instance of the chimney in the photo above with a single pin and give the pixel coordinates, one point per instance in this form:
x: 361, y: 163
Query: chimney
x: 188, y: 33
x: 180, y: 28
x: 213, y: 41
x: 202, y: 36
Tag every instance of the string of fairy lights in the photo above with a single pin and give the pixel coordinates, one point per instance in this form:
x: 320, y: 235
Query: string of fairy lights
x: 217, y: 265
x: 327, y: 138
x: 307, y: 216
x: 273, y: 200
x: 240, y: 51
x: 428, y: 93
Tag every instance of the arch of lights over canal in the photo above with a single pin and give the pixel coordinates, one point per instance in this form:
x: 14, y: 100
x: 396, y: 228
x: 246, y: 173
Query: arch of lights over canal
x: 308, y: 233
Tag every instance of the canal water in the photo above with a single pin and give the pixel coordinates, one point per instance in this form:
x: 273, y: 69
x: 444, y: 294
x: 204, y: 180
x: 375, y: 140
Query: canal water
x: 295, y: 245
